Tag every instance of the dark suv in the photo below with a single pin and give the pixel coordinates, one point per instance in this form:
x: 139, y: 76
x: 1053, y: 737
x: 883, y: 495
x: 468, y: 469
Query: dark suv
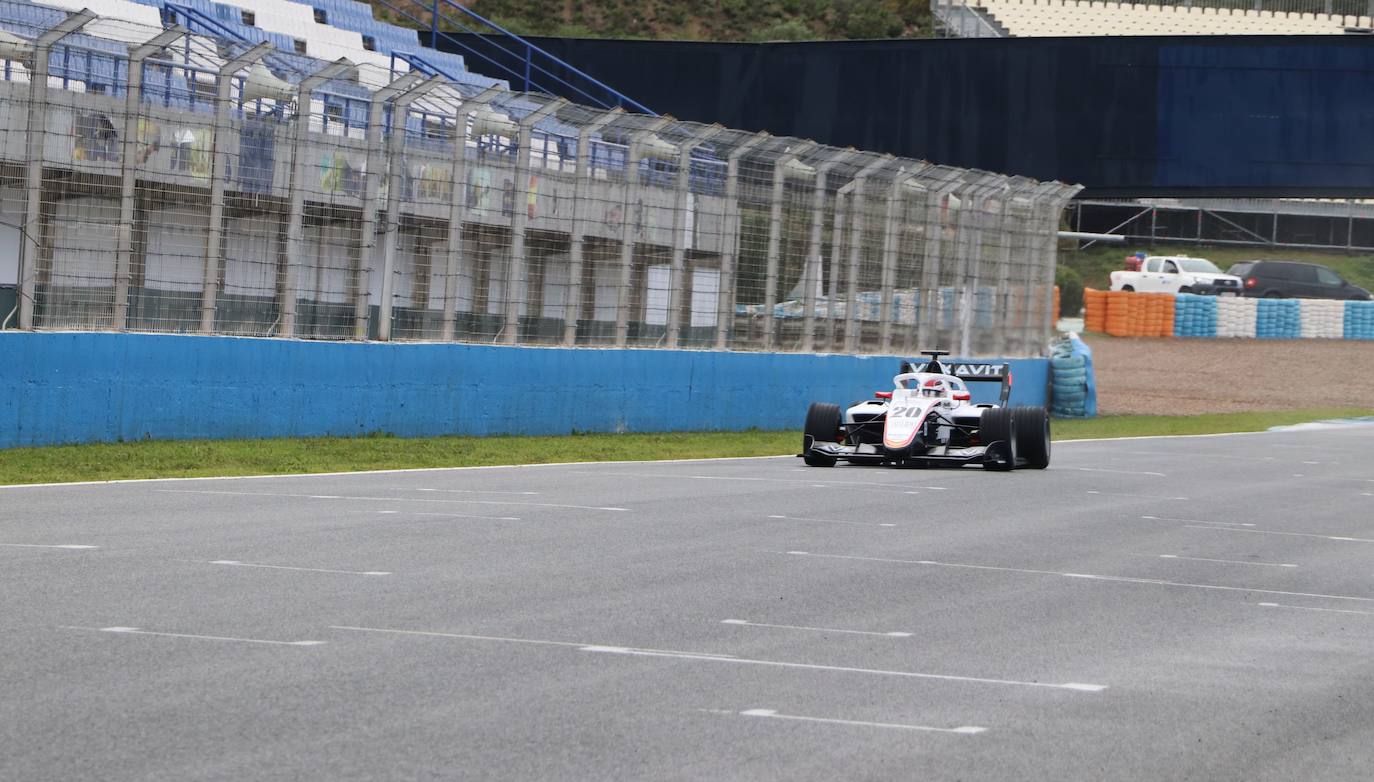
x: 1293, y: 279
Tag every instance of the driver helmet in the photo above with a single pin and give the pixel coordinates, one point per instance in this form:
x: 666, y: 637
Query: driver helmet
x: 932, y: 388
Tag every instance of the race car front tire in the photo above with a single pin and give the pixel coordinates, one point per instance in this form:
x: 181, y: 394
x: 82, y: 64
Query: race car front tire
x: 822, y: 426
x: 1032, y: 424
x: 998, y: 426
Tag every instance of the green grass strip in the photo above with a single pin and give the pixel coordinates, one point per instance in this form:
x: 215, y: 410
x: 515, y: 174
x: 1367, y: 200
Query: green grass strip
x: 201, y: 458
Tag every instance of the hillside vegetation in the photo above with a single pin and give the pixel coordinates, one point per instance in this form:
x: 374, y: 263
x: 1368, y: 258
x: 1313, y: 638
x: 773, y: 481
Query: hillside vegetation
x: 701, y: 20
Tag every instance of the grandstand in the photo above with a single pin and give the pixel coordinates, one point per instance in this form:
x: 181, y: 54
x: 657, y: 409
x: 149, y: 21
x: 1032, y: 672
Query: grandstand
x: 1075, y: 18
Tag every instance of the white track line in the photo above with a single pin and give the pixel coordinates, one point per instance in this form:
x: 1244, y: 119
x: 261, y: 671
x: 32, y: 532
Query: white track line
x: 1323, y: 610
x: 71, y: 546
x: 1138, y: 496
x: 384, y: 499
x: 449, y: 515
x: 136, y: 631
x: 834, y: 521
x: 236, y: 563
x: 966, y: 730
x: 1222, y: 561
x: 722, y: 658
x: 747, y: 623
x: 1199, y: 521
x: 1290, y: 534
x: 1121, y: 472
x: 462, y: 491
x: 1086, y: 576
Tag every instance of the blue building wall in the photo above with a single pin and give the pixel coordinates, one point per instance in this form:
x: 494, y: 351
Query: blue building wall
x: 94, y: 387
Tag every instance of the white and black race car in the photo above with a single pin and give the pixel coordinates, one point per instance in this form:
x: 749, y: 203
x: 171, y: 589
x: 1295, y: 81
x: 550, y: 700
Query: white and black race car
x: 928, y: 419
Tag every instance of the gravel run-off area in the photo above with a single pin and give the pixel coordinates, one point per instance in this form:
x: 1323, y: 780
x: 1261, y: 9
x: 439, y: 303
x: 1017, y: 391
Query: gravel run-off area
x: 1195, y: 376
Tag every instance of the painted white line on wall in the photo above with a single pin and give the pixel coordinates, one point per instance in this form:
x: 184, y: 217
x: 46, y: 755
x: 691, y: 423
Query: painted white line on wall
x: 1086, y: 576
x: 966, y: 730
x: 1323, y: 610
x: 386, y: 499
x: 236, y: 563
x: 834, y: 521
x: 136, y: 631
x: 1137, y: 496
x: 1289, y: 534
x: 68, y: 546
x: 1121, y: 472
x: 450, y: 515
x: 724, y: 658
x: 1222, y: 561
x: 1200, y: 521
x: 747, y: 623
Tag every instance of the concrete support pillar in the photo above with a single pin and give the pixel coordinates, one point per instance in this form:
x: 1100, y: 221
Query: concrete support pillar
x: 857, y: 206
x: 677, y: 277
x: 35, y: 138
x: 843, y: 202
x: 891, y: 233
x: 572, y: 309
x: 928, y: 323
x: 458, y: 206
x: 219, y: 168
x: 775, y: 224
x: 627, y: 237
x: 517, y: 271
x: 725, y: 294
x: 812, y: 274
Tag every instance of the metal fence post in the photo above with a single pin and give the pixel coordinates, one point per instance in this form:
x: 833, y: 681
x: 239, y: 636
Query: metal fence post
x: 843, y: 197
x: 295, y: 219
x: 515, y: 276
x: 770, y: 289
x: 891, y: 229
x: 856, y: 231
x: 677, y: 270
x: 128, y: 165
x: 725, y: 296
x: 219, y: 162
x: 572, y: 311
x: 627, y: 237
x: 457, y: 206
x: 813, y: 275
x: 35, y: 139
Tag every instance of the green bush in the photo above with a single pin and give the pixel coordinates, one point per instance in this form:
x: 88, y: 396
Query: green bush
x: 1070, y: 285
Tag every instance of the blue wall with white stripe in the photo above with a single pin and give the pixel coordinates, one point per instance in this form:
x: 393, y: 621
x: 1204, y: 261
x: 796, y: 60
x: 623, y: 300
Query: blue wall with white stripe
x: 95, y: 387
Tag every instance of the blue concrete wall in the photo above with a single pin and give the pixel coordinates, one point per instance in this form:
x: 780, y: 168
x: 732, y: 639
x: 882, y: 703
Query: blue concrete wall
x: 94, y: 387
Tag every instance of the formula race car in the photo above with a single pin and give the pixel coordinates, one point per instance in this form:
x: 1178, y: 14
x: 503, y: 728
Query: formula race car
x: 928, y: 419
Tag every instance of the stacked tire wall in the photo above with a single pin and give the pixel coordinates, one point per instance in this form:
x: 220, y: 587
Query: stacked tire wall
x: 1133, y: 314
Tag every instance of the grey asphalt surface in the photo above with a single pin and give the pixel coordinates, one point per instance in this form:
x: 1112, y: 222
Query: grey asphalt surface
x: 1103, y: 619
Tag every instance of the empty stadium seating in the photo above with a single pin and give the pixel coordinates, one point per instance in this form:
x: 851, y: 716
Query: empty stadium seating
x: 1064, y: 18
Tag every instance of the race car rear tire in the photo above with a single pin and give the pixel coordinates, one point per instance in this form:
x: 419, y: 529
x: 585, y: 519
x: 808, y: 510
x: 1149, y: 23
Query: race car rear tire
x: 1032, y: 425
x: 822, y: 426
x: 999, y: 426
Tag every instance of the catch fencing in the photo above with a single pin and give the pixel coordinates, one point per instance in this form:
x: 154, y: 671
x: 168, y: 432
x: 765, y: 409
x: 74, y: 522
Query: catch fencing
x: 174, y: 181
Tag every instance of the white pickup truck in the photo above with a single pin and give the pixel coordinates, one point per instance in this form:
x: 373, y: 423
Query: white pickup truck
x: 1177, y: 274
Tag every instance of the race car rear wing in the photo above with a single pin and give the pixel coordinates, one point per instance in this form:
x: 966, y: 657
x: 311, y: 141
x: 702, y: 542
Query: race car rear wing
x: 967, y: 371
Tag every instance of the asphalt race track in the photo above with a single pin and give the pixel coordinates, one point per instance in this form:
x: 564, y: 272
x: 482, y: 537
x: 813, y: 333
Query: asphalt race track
x: 1197, y: 608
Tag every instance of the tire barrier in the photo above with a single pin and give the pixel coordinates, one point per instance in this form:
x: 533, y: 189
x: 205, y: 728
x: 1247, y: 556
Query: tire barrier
x: 1073, y: 389
x: 1131, y: 314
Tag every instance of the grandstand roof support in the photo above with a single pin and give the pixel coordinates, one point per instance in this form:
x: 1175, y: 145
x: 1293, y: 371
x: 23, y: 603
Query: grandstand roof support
x: 128, y: 164
x: 856, y: 233
x: 891, y: 232
x: 677, y: 275
x: 35, y: 139
x: 770, y: 288
x: 929, y: 305
x: 396, y: 171
x: 295, y: 217
x: 519, y: 220
x: 812, y: 275
x: 725, y: 301
x: 573, y: 306
x: 627, y: 227
x: 219, y: 168
x: 457, y: 204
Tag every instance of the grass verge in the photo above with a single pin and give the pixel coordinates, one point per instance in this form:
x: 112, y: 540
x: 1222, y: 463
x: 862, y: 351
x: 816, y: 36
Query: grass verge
x: 201, y: 458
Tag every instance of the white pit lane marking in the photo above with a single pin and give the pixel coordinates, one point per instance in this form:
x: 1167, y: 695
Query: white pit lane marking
x: 1137, y: 496
x: 236, y: 563
x: 386, y: 499
x: 1199, y: 521
x: 1322, y: 610
x: 725, y: 658
x: 747, y: 623
x: 136, y: 631
x: 1222, y: 561
x: 833, y: 521
x: 965, y: 730
x: 1290, y: 534
x: 1088, y: 576
x: 68, y: 546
